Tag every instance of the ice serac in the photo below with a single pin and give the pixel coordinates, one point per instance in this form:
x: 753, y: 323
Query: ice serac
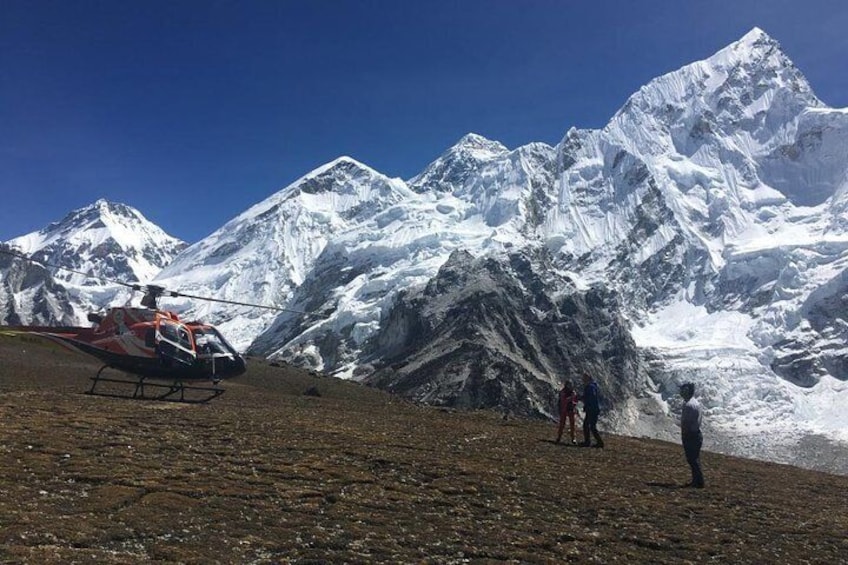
x: 95, y: 246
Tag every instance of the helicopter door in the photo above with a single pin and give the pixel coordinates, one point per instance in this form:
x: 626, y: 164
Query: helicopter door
x: 174, y: 342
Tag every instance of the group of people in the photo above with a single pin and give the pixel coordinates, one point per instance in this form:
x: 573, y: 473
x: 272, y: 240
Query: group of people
x: 690, y: 421
x: 591, y: 398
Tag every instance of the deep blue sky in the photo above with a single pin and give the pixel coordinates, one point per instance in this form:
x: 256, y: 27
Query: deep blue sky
x: 192, y: 111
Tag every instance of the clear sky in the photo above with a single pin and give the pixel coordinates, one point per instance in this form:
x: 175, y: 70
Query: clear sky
x: 192, y: 111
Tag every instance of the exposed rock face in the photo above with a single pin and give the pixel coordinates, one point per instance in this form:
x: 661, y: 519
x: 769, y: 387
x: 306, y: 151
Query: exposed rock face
x: 503, y: 332
x: 29, y: 295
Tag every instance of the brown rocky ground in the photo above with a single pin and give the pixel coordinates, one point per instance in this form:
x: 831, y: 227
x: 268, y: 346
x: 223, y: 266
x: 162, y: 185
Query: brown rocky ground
x: 266, y: 474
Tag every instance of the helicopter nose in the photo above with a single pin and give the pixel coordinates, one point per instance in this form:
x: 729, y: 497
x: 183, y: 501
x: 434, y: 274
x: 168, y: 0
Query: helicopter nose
x: 240, y: 366
x: 227, y: 368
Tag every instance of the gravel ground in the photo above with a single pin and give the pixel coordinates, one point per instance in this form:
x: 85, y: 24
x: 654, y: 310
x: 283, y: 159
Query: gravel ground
x: 268, y: 474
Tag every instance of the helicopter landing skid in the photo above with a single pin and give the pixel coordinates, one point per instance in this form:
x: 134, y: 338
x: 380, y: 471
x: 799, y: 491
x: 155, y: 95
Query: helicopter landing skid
x: 168, y: 392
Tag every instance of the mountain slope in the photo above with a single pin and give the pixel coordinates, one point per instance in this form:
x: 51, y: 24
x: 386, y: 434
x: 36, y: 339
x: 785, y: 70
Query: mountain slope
x: 503, y: 332
x: 266, y: 252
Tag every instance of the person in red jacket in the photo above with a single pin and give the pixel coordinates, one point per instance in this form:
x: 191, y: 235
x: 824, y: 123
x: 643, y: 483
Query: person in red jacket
x: 567, y: 408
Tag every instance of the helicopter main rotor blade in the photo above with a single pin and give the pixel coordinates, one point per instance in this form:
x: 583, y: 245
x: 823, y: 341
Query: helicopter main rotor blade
x: 177, y: 294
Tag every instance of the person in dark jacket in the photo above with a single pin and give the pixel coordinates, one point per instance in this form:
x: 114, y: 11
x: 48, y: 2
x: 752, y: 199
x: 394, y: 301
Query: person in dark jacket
x: 592, y: 409
x: 567, y: 408
x: 690, y: 433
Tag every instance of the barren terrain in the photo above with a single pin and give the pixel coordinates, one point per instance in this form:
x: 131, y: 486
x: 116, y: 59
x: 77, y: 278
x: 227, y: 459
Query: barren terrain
x: 268, y: 474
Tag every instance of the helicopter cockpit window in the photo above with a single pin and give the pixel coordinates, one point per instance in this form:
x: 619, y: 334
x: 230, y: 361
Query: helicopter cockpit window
x: 184, y: 340
x: 150, y: 338
x: 175, y: 342
x: 169, y: 332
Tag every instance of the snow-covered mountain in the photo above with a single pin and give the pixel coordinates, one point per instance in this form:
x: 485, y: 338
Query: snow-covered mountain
x: 95, y: 246
x: 714, y: 203
x: 711, y: 212
x: 105, y: 240
x: 730, y: 176
x: 268, y: 251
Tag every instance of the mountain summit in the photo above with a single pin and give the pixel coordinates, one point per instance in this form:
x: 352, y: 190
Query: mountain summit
x: 95, y: 247
x: 105, y: 240
x: 268, y: 251
x: 456, y: 165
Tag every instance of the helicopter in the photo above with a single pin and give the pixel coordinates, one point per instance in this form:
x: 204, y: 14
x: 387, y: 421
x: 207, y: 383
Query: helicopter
x: 153, y: 348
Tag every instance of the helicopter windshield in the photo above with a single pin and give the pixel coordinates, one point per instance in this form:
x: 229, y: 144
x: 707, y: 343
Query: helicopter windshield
x: 210, y: 342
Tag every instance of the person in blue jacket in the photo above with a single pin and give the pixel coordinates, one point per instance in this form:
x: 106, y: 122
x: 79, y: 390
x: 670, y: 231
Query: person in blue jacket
x: 592, y: 408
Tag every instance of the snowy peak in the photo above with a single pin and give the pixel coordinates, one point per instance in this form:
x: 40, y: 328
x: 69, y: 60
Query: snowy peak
x: 715, y: 146
x: 106, y: 240
x: 749, y: 91
x: 94, y: 216
x: 760, y: 57
x: 266, y: 252
x: 755, y: 35
x: 480, y: 146
x: 752, y: 45
x: 345, y: 177
x: 754, y: 48
x: 339, y: 191
x: 335, y: 176
x: 455, y: 166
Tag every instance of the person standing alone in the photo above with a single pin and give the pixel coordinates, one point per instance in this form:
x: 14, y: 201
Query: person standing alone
x: 592, y: 408
x: 690, y: 433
